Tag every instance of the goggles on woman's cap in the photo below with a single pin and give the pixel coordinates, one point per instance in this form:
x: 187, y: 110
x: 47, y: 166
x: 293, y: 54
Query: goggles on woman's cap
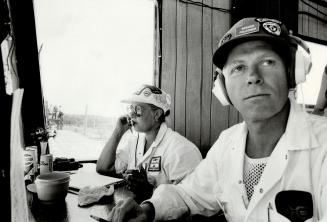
x: 150, y: 95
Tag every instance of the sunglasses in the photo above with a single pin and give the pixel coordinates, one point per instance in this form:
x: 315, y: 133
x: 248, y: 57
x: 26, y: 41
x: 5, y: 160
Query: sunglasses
x: 134, y: 110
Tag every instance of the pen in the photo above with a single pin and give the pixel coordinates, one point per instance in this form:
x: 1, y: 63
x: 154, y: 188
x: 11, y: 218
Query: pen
x: 99, y: 219
x: 73, y: 192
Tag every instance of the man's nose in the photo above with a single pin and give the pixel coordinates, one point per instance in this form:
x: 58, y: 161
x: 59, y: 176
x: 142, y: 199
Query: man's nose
x: 254, y: 77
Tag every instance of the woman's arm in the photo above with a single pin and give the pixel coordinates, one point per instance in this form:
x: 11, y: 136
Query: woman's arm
x: 106, y: 161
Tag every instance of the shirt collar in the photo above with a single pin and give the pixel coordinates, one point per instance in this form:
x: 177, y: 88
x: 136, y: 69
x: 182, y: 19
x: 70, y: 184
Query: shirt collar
x: 160, y: 135
x: 149, y: 153
x: 162, y: 131
x: 299, y: 133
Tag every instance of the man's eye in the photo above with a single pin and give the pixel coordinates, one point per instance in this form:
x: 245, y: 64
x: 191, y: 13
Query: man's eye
x: 268, y: 62
x: 238, y: 69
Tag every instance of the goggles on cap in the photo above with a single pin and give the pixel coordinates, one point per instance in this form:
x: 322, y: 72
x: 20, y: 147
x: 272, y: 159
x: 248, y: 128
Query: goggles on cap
x: 134, y: 110
x: 148, y: 90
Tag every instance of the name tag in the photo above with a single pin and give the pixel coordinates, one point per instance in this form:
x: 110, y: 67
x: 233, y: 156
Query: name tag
x: 155, y: 164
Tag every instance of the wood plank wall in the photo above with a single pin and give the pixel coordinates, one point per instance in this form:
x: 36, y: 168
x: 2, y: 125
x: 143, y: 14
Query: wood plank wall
x: 310, y: 26
x: 190, y: 34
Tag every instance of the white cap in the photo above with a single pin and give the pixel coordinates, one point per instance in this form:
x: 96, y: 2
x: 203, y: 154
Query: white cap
x: 151, y: 95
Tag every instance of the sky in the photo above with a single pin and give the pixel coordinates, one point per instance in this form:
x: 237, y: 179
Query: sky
x: 94, y: 53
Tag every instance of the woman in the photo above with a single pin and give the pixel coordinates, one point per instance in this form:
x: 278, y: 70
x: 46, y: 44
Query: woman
x: 156, y: 154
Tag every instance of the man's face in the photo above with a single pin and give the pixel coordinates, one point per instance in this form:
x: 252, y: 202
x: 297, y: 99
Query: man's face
x: 255, y: 78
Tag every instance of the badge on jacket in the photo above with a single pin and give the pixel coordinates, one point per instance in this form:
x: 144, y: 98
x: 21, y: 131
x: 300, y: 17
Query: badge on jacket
x: 155, y: 164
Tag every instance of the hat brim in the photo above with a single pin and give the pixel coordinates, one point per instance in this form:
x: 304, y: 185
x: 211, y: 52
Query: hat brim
x: 220, y: 56
x: 134, y: 100
x: 140, y: 100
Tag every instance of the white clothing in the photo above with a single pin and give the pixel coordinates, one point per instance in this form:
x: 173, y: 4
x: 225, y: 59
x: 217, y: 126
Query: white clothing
x: 298, y: 162
x: 168, y: 160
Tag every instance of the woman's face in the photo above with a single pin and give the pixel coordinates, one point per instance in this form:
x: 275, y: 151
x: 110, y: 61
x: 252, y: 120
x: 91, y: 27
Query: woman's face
x: 144, y: 117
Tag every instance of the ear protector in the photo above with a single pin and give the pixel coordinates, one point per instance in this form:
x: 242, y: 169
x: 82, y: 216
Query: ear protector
x: 302, y: 62
x: 301, y: 58
x: 219, y: 88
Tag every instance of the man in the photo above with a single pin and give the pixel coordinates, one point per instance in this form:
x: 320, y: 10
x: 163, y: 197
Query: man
x: 271, y: 167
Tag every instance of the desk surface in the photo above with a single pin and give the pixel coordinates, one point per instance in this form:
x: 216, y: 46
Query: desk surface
x: 69, y: 210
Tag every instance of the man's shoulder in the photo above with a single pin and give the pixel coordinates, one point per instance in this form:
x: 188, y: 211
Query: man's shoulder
x: 235, y: 129
x: 228, y: 136
x: 318, y: 125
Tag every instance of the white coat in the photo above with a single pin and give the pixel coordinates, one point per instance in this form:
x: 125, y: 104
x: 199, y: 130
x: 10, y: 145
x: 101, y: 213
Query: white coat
x: 298, y: 162
x: 168, y: 160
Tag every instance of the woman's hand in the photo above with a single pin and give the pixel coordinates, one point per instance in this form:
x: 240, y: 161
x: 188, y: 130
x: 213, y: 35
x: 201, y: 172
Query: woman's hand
x: 123, y: 124
x: 137, y: 182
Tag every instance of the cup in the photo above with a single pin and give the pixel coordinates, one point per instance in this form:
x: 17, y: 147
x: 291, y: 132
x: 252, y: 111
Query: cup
x: 52, y: 187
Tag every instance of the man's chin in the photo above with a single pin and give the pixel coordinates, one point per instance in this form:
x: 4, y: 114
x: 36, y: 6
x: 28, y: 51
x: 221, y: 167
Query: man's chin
x: 260, y: 114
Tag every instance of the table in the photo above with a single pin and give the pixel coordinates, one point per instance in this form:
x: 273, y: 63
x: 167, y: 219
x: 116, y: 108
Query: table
x: 68, y: 210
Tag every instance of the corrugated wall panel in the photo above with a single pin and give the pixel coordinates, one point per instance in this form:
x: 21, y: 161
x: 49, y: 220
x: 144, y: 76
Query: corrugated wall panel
x: 221, y: 22
x: 206, y: 83
x: 194, y: 73
x: 313, y: 23
x: 181, y: 69
x: 310, y: 26
x: 168, y: 71
x: 190, y: 34
x: 322, y: 26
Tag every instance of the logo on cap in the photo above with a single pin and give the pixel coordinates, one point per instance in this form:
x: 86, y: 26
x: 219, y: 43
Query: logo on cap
x: 147, y: 92
x: 248, y: 28
x: 226, y: 38
x: 272, y: 28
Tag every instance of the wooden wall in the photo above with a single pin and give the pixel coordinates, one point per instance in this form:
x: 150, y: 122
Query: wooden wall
x: 190, y: 35
x: 312, y: 19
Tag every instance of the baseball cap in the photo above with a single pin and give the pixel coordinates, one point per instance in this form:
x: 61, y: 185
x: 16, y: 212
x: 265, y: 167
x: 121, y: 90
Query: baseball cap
x: 151, y: 95
x: 248, y: 29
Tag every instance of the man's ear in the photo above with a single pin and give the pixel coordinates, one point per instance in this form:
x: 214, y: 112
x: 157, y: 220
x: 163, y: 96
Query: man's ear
x: 157, y: 114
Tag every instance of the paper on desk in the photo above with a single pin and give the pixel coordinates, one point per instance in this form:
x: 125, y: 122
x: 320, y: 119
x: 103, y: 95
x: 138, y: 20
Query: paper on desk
x: 92, y: 179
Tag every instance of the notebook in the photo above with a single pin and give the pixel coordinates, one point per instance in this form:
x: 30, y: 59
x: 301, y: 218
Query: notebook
x: 83, y: 179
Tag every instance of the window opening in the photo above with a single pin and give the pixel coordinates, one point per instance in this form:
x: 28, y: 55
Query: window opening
x: 92, y: 54
x: 312, y: 84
